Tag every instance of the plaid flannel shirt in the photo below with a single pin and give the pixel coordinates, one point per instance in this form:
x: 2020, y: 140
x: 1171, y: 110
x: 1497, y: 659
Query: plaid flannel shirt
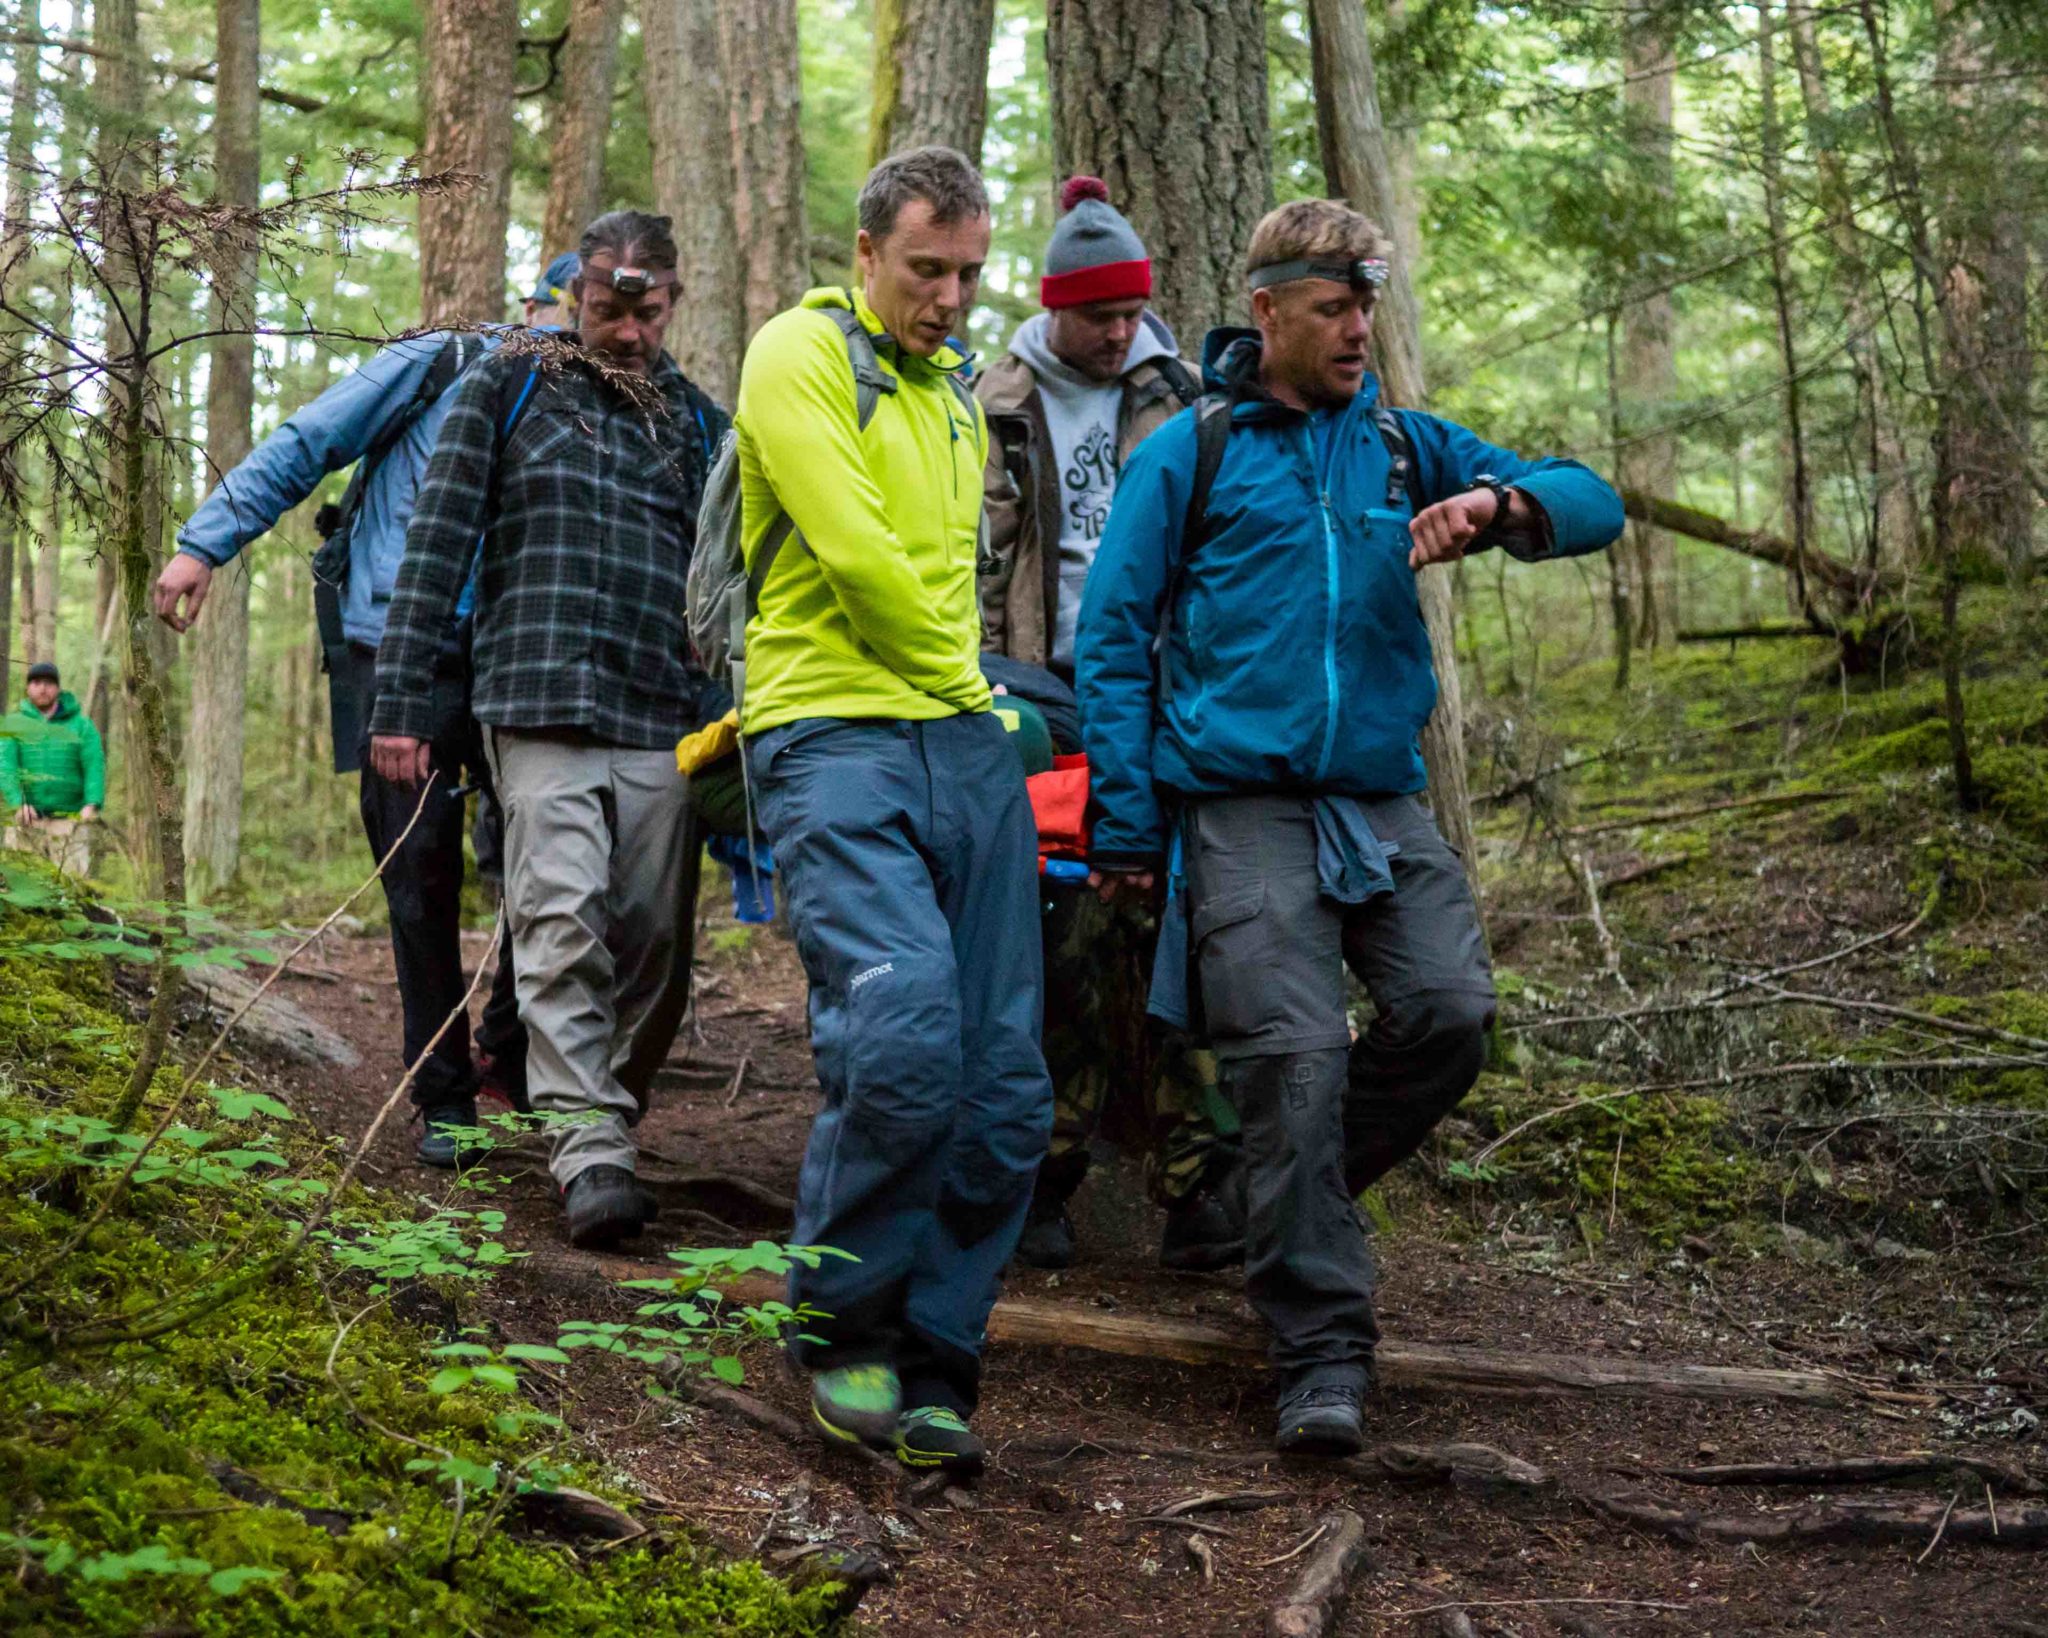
x: 587, y: 516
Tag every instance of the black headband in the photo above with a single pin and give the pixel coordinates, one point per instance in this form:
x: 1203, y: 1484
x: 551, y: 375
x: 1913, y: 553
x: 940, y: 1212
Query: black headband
x: 1366, y: 273
x: 631, y: 281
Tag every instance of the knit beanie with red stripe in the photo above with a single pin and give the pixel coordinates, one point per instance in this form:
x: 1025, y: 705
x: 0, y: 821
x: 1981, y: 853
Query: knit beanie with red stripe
x: 1094, y: 254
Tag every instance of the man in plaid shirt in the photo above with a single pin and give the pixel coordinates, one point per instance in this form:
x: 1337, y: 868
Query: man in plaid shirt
x: 586, y: 512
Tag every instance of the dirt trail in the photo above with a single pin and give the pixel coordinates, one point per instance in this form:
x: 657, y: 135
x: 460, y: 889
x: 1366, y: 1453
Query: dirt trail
x: 1058, y: 1539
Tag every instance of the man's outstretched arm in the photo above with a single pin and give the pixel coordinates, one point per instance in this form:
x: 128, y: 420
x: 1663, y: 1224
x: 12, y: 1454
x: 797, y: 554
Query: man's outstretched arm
x: 1555, y: 508
x: 336, y: 430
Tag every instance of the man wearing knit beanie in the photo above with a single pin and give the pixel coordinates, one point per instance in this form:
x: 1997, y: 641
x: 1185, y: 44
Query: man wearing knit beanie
x: 1082, y: 385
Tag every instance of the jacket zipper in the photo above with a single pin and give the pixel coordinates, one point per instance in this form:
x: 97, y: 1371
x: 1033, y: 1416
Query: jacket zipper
x: 1329, y: 607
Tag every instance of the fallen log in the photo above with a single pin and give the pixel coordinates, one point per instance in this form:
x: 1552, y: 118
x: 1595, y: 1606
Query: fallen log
x: 1312, y: 1605
x: 1845, y: 579
x: 2018, y: 1524
x: 1411, y: 1365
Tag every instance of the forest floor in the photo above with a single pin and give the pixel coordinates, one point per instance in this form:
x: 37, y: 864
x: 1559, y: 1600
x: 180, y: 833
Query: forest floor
x: 1090, y: 1449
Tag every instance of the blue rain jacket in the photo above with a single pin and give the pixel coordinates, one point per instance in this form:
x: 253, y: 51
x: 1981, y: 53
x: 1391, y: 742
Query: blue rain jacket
x: 1293, y: 636
x: 335, y: 431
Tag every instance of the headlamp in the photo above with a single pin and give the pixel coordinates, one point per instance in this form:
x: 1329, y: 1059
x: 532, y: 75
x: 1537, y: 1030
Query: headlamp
x: 631, y: 281
x: 1366, y: 273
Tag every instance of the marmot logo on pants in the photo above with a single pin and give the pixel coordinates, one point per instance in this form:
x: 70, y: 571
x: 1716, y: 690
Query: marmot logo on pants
x: 872, y: 972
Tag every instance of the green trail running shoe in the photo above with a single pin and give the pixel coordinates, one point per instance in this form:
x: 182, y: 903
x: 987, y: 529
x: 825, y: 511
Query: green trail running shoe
x: 858, y: 1404
x: 934, y: 1437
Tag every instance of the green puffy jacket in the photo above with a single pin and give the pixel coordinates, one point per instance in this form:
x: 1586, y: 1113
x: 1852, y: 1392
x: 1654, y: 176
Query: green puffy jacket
x: 55, y: 764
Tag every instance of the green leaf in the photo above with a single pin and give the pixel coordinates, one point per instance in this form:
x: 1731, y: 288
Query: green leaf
x: 501, y: 1377
x: 455, y: 1376
x: 727, y: 1368
x: 231, y: 1581
x: 461, y: 1350
x: 236, y: 1104
x: 537, y: 1352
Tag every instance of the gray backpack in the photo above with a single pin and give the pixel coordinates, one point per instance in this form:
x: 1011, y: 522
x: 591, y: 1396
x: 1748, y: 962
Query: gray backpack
x: 724, y: 594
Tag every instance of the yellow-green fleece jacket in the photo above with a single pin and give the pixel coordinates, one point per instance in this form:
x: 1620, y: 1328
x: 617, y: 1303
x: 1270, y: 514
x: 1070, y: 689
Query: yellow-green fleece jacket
x: 873, y: 612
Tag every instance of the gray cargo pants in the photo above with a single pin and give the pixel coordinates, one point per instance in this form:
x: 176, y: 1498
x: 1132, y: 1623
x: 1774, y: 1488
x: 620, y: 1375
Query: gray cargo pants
x: 1325, y: 1117
x: 595, y: 838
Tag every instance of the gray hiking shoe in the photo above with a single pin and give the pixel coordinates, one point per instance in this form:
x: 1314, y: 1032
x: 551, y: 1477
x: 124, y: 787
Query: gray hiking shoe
x: 606, y: 1204
x: 1321, y: 1419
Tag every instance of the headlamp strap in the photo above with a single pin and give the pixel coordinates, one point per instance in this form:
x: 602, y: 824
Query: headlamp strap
x: 1366, y: 273
x: 631, y: 281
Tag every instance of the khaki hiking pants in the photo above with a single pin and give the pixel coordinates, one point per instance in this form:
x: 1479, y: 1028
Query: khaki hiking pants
x: 65, y: 843
x: 594, y: 843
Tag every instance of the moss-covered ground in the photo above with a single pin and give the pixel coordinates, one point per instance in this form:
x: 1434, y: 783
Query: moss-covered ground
x: 245, y: 1473
x: 1693, y: 1118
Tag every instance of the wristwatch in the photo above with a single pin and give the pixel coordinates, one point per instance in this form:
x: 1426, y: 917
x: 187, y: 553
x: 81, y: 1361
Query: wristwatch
x: 1496, y: 524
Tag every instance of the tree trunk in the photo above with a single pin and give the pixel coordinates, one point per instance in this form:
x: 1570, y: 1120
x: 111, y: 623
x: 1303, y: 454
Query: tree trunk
x: 1647, y: 458
x: 220, y: 660
x: 583, y: 121
x: 689, y: 125
x: 1784, y: 300
x: 1985, y: 410
x: 758, y: 45
x: 1894, y: 511
x: 1167, y: 104
x: 466, y: 109
x: 931, y: 75
x: 14, y: 346
x: 1357, y: 165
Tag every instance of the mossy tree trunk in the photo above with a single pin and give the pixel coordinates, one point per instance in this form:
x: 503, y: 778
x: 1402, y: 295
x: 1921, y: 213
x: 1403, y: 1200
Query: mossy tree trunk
x: 583, y: 120
x: 931, y: 75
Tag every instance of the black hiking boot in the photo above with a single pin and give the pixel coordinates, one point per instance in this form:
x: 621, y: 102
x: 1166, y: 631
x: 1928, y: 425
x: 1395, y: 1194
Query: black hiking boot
x: 1321, y: 1419
x: 443, y: 1129
x: 606, y: 1204
x: 1048, y: 1237
x: 1205, y: 1229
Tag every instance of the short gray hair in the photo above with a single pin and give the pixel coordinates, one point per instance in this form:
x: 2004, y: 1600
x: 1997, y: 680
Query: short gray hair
x: 943, y: 177
x: 621, y: 232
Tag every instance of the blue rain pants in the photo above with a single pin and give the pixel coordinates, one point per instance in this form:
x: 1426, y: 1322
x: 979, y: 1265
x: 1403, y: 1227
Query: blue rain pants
x: 908, y: 859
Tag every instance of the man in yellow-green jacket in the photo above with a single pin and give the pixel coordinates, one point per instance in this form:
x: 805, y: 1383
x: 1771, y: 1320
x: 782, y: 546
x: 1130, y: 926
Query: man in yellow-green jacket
x: 898, y: 815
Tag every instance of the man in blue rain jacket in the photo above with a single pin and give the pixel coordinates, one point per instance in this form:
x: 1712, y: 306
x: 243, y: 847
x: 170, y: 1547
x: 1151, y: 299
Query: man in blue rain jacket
x: 1254, y: 674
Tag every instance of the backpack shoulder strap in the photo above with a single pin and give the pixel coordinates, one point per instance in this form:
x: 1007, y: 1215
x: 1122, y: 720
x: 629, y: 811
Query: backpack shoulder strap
x: 515, y: 396
x: 1212, y: 438
x: 870, y: 380
x: 1186, y: 386
x: 1400, y: 455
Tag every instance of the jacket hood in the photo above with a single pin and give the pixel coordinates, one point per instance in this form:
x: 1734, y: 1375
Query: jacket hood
x: 1230, y: 363
x: 1033, y: 344
x: 67, y: 707
x: 948, y: 359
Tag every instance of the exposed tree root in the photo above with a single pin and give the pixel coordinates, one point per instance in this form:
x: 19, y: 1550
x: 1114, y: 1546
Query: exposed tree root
x: 2018, y: 1524
x: 1911, y: 1464
x: 1312, y: 1605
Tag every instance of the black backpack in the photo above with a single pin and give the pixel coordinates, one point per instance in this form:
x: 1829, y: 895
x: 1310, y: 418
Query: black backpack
x: 331, y: 558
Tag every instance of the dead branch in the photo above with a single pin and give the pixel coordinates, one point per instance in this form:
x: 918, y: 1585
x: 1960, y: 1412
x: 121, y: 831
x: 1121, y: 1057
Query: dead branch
x: 1911, y: 1464
x: 577, y: 1515
x: 1226, y: 1501
x: 1780, y: 799
x: 2018, y: 1524
x: 1311, y: 1607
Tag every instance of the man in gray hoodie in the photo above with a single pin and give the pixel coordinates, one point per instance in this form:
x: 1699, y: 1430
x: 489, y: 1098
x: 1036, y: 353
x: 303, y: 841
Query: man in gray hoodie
x: 1082, y: 385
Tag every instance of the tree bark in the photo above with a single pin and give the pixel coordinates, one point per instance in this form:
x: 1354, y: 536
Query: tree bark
x: 466, y: 107
x: 689, y: 124
x: 758, y: 44
x: 931, y: 75
x: 14, y: 346
x: 1894, y: 512
x: 1167, y: 104
x: 1357, y: 164
x: 1646, y: 458
x: 583, y: 121
x: 220, y: 661
x: 1784, y: 300
x: 1986, y: 410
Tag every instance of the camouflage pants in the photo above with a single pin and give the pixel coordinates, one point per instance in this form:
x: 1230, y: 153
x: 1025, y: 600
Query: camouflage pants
x: 1114, y: 1075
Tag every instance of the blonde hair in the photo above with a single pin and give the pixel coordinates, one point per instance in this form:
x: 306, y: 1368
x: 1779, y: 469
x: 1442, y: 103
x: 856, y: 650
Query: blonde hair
x: 1314, y: 229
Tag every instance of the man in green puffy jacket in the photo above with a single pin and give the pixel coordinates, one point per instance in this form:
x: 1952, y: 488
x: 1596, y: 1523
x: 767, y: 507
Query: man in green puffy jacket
x: 53, y: 773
